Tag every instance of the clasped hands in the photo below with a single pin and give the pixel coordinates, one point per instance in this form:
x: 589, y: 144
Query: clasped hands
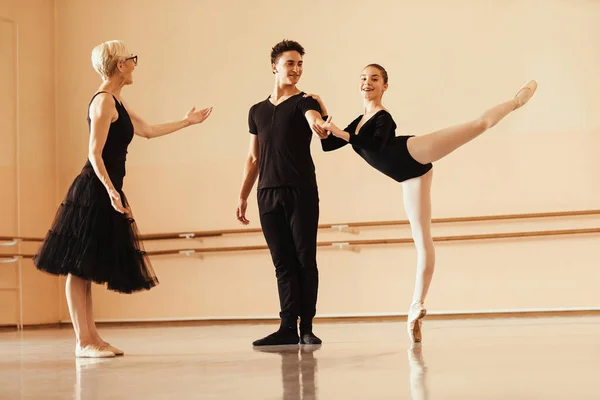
x: 325, y: 128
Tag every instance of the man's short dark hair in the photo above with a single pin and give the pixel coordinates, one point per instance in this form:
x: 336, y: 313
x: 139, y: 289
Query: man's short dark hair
x: 282, y: 47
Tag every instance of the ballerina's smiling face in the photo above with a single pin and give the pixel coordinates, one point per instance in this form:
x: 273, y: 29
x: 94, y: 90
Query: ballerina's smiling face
x: 373, y: 81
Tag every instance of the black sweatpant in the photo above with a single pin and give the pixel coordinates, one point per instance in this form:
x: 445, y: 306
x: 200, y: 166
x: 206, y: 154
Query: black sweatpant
x: 289, y: 218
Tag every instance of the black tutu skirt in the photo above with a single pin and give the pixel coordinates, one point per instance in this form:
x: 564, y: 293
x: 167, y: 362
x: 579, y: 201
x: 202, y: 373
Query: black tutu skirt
x: 91, y: 240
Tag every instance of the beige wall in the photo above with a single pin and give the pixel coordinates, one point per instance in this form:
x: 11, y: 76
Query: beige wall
x: 36, y: 155
x: 446, y: 65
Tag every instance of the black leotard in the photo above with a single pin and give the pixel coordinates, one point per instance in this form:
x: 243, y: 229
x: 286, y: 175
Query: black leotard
x: 379, y: 146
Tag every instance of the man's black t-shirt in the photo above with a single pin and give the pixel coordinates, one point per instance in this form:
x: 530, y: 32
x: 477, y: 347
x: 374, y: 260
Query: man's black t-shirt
x: 284, y: 137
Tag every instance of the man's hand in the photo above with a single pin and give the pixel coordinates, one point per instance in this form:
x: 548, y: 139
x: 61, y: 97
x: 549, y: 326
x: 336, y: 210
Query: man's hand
x: 240, y: 212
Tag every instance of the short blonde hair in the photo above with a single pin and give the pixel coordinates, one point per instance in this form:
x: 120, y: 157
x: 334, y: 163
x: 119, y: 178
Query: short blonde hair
x: 107, y: 55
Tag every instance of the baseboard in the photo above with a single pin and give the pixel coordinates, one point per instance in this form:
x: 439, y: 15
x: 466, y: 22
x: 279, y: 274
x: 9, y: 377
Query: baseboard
x: 13, y: 327
x: 335, y: 318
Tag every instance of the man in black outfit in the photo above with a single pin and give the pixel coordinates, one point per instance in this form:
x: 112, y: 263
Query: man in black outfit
x: 288, y: 200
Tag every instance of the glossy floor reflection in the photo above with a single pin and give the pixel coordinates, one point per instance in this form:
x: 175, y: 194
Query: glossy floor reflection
x: 543, y: 358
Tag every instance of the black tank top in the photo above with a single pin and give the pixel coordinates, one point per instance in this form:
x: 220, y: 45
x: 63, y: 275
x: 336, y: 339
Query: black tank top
x: 114, y: 153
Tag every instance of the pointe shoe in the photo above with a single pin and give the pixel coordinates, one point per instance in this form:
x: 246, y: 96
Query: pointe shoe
x: 530, y: 86
x: 91, y: 351
x: 110, y: 347
x: 414, y: 323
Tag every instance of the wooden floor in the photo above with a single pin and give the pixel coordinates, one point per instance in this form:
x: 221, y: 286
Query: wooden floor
x: 540, y: 358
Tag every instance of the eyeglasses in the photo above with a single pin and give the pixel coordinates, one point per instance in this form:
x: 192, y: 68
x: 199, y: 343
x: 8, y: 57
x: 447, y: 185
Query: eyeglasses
x: 134, y: 58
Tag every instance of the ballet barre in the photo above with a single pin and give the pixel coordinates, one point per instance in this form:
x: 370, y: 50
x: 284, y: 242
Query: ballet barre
x: 480, y: 218
x: 18, y: 239
x: 10, y: 259
x: 353, y: 245
x: 350, y: 227
x: 18, y: 256
x: 12, y: 242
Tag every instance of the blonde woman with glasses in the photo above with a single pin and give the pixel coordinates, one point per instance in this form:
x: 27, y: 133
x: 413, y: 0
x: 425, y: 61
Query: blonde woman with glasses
x: 94, y: 237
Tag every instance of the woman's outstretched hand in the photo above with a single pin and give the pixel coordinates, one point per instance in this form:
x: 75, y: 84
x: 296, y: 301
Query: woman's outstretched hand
x: 197, y: 117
